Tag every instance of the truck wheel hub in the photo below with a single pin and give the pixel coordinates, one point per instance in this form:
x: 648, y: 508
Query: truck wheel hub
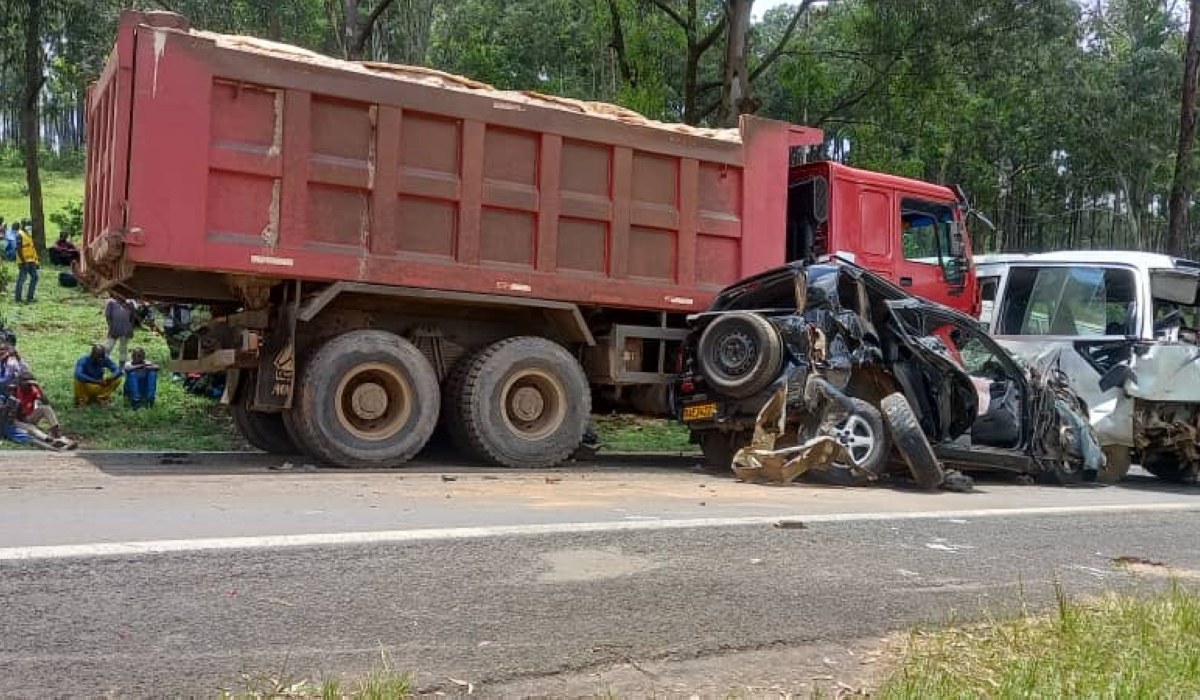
x: 370, y: 401
x: 534, y: 404
x: 527, y: 403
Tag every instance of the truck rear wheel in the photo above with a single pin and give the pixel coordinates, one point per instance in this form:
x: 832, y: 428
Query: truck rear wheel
x: 264, y: 431
x: 521, y: 402
x: 366, y: 399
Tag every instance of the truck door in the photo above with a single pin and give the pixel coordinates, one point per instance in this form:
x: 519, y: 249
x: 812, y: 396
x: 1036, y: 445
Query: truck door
x: 876, y: 230
x: 924, y: 265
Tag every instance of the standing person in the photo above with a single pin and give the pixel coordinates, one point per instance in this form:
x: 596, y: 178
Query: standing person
x: 10, y: 241
x: 27, y: 259
x: 119, y: 315
x: 90, y: 383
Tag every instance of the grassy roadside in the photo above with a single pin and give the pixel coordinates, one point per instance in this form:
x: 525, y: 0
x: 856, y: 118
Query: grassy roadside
x: 56, y: 331
x: 57, y: 190
x: 1113, y: 646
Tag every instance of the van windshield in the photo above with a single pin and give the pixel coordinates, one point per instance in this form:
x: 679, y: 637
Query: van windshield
x: 1069, y: 301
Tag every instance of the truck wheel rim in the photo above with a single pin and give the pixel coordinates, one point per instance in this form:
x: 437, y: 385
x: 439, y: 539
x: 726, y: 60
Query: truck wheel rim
x: 857, y: 436
x: 374, y: 401
x: 533, y: 404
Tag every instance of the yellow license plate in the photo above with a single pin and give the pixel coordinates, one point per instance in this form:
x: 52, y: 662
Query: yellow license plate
x: 700, y: 411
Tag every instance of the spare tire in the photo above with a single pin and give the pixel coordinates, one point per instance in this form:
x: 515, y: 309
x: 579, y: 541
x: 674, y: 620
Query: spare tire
x: 740, y: 354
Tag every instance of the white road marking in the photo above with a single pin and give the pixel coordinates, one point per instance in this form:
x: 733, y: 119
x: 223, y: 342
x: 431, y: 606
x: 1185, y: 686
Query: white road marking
x: 110, y: 549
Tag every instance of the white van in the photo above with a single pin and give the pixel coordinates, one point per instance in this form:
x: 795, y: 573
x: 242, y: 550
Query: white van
x: 1124, y: 327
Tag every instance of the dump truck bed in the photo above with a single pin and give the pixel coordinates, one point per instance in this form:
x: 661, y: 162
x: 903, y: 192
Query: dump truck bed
x: 215, y: 158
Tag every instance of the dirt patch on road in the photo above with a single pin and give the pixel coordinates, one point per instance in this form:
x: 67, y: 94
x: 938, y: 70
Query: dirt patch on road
x: 816, y: 670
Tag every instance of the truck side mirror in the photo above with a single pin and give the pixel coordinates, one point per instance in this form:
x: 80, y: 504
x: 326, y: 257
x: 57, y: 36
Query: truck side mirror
x: 954, y: 266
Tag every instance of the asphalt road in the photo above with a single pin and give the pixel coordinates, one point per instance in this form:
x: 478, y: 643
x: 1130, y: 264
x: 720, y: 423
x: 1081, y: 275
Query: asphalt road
x: 530, y: 598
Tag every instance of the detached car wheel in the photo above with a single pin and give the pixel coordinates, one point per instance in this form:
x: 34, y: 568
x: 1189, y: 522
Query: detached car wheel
x: 911, y: 442
x: 740, y: 354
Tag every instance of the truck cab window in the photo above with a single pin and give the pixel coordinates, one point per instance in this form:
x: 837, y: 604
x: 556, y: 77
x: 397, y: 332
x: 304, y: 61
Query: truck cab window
x: 925, y: 230
x: 1069, y: 301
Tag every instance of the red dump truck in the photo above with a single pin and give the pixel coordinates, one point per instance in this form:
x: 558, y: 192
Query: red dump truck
x: 383, y: 246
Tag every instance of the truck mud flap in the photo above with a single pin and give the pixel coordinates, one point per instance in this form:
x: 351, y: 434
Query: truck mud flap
x: 276, y: 376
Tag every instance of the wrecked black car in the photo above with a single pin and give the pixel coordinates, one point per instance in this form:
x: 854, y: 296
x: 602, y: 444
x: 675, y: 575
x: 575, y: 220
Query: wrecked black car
x: 832, y: 370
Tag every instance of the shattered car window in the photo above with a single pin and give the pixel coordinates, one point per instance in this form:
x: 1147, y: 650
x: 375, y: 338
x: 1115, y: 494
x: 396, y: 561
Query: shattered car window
x: 1176, y: 313
x: 1069, y: 301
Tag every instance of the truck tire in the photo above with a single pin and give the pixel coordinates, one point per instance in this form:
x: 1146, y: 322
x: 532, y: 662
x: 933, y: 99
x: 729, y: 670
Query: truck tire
x: 264, y: 431
x: 520, y: 402
x: 366, y: 398
x: 740, y: 354
x: 910, y: 441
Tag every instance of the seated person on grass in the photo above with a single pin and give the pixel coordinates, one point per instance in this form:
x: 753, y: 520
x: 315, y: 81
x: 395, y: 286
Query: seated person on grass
x: 34, y: 408
x: 90, y: 384
x: 141, y: 380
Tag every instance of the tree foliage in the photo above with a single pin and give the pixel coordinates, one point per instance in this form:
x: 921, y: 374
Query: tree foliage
x: 1060, y: 117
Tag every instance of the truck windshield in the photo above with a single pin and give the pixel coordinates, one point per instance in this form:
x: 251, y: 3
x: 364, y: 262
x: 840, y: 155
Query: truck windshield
x: 1069, y: 301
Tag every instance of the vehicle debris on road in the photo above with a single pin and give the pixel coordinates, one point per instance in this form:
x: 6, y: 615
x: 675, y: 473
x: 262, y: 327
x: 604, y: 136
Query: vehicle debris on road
x: 832, y: 371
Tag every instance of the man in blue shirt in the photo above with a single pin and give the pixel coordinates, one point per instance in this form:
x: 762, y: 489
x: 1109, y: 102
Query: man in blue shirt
x: 90, y: 383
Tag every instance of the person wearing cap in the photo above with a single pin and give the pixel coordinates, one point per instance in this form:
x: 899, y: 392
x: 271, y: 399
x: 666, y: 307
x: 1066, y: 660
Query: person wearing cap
x: 33, y: 408
x: 91, y: 386
x: 11, y: 366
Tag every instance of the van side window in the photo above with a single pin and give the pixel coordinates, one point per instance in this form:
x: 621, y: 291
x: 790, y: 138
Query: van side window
x: 925, y: 230
x: 1069, y: 301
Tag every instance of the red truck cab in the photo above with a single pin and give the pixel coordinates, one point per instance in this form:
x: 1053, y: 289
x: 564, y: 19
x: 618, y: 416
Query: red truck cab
x: 911, y: 232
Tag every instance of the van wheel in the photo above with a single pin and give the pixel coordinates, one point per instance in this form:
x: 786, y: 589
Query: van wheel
x: 521, y: 402
x: 910, y: 441
x: 264, y: 431
x: 366, y: 399
x: 1167, y: 465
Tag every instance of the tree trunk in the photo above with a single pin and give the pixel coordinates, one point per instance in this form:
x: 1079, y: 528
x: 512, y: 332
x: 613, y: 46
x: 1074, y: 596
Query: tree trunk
x: 30, y: 119
x: 735, y: 92
x: 350, y: 30
x: 1181, y: 190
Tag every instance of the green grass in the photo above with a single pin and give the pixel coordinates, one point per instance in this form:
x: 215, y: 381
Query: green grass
x: 57, y: 190
x: 56, y: 331
x: 1110, y: 647
x: 382, y: 682
x: 630, y: 433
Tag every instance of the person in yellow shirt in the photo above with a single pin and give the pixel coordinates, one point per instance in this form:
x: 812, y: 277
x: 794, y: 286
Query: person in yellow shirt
x: 28, y: 263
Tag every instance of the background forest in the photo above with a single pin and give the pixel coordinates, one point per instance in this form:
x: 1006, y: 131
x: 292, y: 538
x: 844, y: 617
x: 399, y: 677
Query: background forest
x: 1061, y: 118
